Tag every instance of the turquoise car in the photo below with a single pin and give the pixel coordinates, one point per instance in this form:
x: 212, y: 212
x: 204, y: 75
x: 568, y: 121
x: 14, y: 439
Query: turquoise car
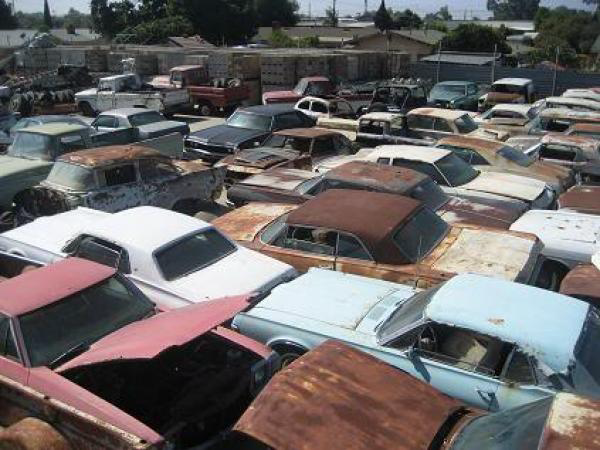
x: 488, y: 342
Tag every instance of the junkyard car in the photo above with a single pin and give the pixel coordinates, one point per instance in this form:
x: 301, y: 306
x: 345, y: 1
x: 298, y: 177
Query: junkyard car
x: 508, y: 90
x: 560, y: 119
x: 581, y: 199
x: 246, y: 128
x: 396, y: 97
x: 515, y: 119
x: 589, y: 130
x: 576, y: 104
x: 297, y: 186
x: 43, y: 119
x: 588, y: 94
x: 79, y: 332
x: 473, y: 337
x: 173, y: 258
x: 384, y: 236
x: 300, y: 148
x: 455, y: 95
x: 456, y: 177
x: 316, y: 107
x: 496, y: 156
x: 583, y: 282
x: 119, y: 177
x: 144, y: 123
x: 423, y: 417
x: 378, y: 128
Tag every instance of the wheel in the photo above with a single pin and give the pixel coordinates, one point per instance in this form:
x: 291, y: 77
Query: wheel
x: 86, y: 109
x: 288, y: 354
x: 205, y: 109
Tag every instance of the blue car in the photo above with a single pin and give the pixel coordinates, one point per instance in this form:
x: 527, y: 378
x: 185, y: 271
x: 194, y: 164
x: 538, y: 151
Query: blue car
x: 488, y: 342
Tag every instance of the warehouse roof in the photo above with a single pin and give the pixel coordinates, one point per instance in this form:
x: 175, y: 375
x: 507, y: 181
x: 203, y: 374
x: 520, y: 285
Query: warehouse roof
x: 472, y: 59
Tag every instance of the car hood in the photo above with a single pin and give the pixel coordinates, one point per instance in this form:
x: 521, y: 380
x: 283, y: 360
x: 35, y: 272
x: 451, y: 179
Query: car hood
x: 488, y: 213
x: 147, y: 338
x: 87, y: 93
x: 227, y: 135
x: 445, y: 96
x: 260, y: 158
x: 10, y: 165
x: 514, y: 186
x: 243, y: 272
x: 164, y: 125
x: 499, y: 254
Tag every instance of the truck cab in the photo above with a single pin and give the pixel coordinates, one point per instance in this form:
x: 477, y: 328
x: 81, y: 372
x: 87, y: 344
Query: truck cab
x: 508, y: 90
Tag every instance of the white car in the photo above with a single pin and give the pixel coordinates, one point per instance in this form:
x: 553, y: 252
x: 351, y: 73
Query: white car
x: 456, y: 177
x: 325, y: 108
x: 172, y: 258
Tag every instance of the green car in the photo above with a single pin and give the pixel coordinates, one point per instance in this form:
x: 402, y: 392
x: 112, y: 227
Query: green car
x: 462, y: 95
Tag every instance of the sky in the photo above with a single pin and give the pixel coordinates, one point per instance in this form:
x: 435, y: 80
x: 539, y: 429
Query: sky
x: 458, y: 8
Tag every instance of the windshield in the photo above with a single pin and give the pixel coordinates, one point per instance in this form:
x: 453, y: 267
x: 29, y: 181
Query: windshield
x: 193, y: 253
x: 408, y: 313
x: 445, y: 88
x: 31, y: 146
x: 516, y: 156
x: 456, y: 170
x: 81, y: 319
x: 586, y: 375
x: 420, y: 235
x: 514, y: 428
x: 241, y: 119
x: 465, y: 124
x: 508, y: 88
x: 71, y: 176
x: 431, y: 194
x: 137, y: 120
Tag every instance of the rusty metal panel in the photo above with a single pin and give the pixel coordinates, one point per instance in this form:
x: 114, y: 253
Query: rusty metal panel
x: 338, y: 397
x: 583, y: 199
x: 583, y: 282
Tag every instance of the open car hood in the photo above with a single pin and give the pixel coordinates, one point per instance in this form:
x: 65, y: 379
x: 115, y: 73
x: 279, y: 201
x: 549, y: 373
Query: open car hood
x: 147, y: 338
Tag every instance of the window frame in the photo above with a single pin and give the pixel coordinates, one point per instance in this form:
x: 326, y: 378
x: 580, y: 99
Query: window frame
x: 12, y: 334
x: 102, y: 175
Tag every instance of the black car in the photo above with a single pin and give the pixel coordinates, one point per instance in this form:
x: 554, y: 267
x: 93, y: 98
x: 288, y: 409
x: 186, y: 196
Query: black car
x: 396, y: 98
x: 246, y: 128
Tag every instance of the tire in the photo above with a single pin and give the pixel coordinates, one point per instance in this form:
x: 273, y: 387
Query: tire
x: 206, y: 109
x: 32, y: 434
x: 86, y: 109
x: 288, y: 353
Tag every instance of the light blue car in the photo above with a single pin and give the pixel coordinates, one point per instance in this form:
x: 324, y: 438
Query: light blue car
x: 491, y: 343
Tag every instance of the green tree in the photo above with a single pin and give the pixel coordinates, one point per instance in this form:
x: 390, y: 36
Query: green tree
x: 285, y: 12
x: 578, y: 29
x: 8, y: 21
x: 47, y: 16
x: 545, y: 50
x: 475, y: 38
x: 383, y: 20
x: 331, y: 17
x: 513, y: 9
x: 157, y: 31
x: 406, y: 19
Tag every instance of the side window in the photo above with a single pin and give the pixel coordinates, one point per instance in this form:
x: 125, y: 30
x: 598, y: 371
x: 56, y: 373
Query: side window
x: 71, y: 143
x: 103, y: 252
x: 477, y: 159
x: 343, y: 145
x: 420, y: 122
x: 442, y: 125
x: 519, y: 369
x: 288, y: 120
x: 106, y: 122
x: 8, y: 346
x: 151, y: 169
x: 384, y: 161
x: 472, y: 89
x: 312, y: 240
x: 304, y: 105
x: 319, y: 107
x: 556, y: 152
x: 422, y: 167
x: 120, y: 175
x: 323, y: 146
x: 350, y: 247
x: 371, y: 127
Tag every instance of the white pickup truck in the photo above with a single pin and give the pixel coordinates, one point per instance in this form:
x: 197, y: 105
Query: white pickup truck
x: 172, y: 258
x: 129, y: 91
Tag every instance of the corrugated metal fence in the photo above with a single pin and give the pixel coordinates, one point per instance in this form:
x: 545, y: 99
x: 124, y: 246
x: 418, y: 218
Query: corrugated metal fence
x: 542, y: 78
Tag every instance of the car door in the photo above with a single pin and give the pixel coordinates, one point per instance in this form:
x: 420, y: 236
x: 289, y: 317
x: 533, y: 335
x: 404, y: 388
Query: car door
x: 119, y: 188
x: 158, y: 183
x: 304, y: 247
x: 421, y: 126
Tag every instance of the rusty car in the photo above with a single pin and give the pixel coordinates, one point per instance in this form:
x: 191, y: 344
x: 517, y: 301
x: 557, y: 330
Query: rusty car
x: 574, y: 103
x: 297, y: 186
x: 327, y: 386
x: 119, y: 177
x: 515, y: 119
x: 173, y: 258
x: 583, y: 282
x: 470, y: 337
x: 581, y: 199
x: 589, y: 130
x: 301, y: 148
x: 560, y: 119
x: 384, y: 236
x: 317, y: 107
x: 508, y: 90
x: 456, y: 177
x: 82, y: 334
x: 496, y: 156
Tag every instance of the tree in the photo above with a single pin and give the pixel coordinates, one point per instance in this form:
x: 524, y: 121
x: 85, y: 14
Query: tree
x: 8, y: 21
x: 577, y: 29
x: 47, y: 16
x: 331, y: 17
x: 513, y: 9
x: 475, y: 38
x: 157, y: 31
x: 545, y: 50
x: 383, y: 19
x: 279, y: 39
x: 406, y: 19
x: 284, y: 12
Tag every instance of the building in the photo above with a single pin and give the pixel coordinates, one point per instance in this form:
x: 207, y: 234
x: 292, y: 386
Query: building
x: 469, y: 59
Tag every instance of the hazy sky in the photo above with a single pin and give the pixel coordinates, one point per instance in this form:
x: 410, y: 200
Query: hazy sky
x: 457, y: 7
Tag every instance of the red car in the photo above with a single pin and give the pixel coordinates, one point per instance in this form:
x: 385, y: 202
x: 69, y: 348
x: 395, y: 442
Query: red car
x: 82, y: 334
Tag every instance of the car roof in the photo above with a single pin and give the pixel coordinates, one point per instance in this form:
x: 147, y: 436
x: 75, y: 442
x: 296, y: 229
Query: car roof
x: 515, y: 81
x: 371, y: 216
x: 54, y: 128
x: 50, y: 118
x: 309, y: 133
x: 573, y: 101
x: 331, y: 297
x: 126, y: 112
x: 383, y: 178
x: 429, y: 155
x: 268, y: 110
x: 37, y: 288
x: 472, y: 143
x: 280, y: 178
x: 109, y: 155
x: 592, y: 127
x: 516, y: 107
x: 145, y: 227
x: 449, y: 114
x: 384, y: 116
x: 545, y: 324
x: 454, y: 83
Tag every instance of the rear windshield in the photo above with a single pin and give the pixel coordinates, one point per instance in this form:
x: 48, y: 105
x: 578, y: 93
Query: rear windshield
x: 420, y: 235
x: 443, y: 88
x: 516, y: 156
x: 456, y: 170
x: 242, y: 119
x: 137, y: 120
x: 430, y: 194
x: 509, y: 88
x: 31, y: 146
x: 465, y: 124
x: 71, y: 176
x: 193, y: 253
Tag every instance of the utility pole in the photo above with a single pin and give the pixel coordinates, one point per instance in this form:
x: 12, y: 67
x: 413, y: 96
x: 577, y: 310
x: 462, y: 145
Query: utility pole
x: 366, y: 6
x: 555, y: 70
x: 310, y: 9
x: 334, y: 13
x: 494, y: 64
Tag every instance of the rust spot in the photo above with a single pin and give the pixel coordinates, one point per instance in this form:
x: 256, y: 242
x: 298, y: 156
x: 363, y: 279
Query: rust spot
x: 496, y: 321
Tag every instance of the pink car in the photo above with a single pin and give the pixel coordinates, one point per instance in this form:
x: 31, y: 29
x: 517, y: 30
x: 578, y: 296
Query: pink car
x: 82, y: 334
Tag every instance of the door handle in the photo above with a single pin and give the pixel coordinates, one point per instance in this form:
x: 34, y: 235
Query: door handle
x: 487, y: 396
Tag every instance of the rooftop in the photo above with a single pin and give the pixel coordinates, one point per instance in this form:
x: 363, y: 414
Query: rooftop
x: 105, y: 156
x: 442, y: 113
x: 520, y: 108
x: 429, y: 155
x: 541, y: 322
x: 382, y: 178
x: 54, y: 128
x: 573, y: 101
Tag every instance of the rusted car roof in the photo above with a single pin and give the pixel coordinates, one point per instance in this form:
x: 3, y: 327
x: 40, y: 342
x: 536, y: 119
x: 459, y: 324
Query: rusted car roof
x: 472, y: 143
x: 104, y: 156
x: 449, y: 114
x: 310, y: 133
x: 584, y: 199
x: 588, y: 145
x: 569, y: 114
x: 338, y: 209
x: 582, y: 281
x: 338, y: 397
x: 590, y: 127
x: 381, y: 177
x: 280, y: 178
